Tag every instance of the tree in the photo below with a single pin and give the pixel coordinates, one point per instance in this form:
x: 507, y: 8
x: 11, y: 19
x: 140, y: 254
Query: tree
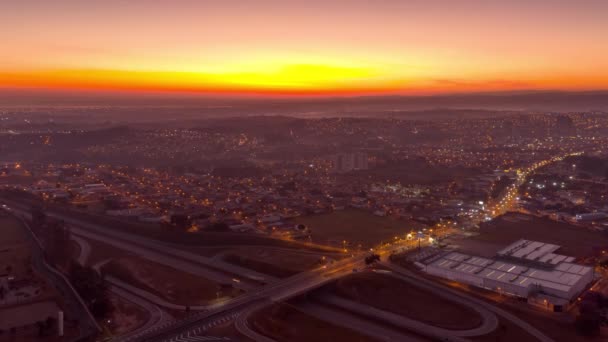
x: 589, y: 319
x: 180, y: 221
x: 588, y: 324
x: 218, y: 227
x: 372, y: 259
x: 38, y: 215
x: 92, y: 288
x: 57, y: 239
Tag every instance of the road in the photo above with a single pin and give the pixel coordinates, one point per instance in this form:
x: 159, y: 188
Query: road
x: 417, y: 280
x: 157, y: 316
x: 242, y: 324
x: 489, y: 320
x: 358, y: 324
x: 146, y: 246
x: 181, y: 260
x: 85, y: 249
x: 280, y: 290
x: 168, y: 260
x: 76, y: 309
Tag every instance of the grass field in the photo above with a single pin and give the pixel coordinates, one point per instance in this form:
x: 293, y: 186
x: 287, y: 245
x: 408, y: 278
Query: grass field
x: 393, y: 295
x: 12, y: 231
x: 14, y: 246
x: 173, y: 285
x: 356, y: 227
x: 575, y: 241
x: 154, y: 231
x: 126, y: 316
x: 282, y: 322
x: 279, y: 264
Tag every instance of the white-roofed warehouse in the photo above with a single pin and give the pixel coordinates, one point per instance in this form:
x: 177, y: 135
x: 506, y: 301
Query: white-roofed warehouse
x: 524, y: 269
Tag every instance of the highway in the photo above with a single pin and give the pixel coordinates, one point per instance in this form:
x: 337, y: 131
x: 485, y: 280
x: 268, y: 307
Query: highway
x: 417, y: 280
x: 76, y: 309
x: 96, y: 231
x: 156, y: 317
x: 361, y: 325
x: 307, y: 281
x: 208, y: 268
x: 85, y: 249
x: 278, y: 290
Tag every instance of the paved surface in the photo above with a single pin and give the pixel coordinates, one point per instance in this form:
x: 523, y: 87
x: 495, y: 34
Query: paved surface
x: 147, y: 247
x: 416, y: 279
x: 242, y: 324
x: 156, y: 315
x: 282, y: 290
x: 75, y: 307
x: 152, y: 298
x: 356, y: 323
x: 164, y: 259
x: 85, y: 249
x: 373, y: 313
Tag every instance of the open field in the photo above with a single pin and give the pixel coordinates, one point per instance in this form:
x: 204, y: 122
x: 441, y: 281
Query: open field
x: 173, y: 285
x: 126, y: 316
x: 272, y: 262
x: 506, y: 332
x: 391, y: 294
x: 14, y: 246
x: 101, y: 252
x: 575, y: 241
x: 22, y: 315
x: 12, y: 231
x: 155, y: 231
x: 354, y: 226
x: 559, y: 327
x: 282, y: 322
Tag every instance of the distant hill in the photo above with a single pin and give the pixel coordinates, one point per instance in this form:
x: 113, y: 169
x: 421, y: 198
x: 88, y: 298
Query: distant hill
x: 197, y: 106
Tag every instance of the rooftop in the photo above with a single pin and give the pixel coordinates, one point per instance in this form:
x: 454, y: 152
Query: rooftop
x: 534, y: 251
x: 562, y: 277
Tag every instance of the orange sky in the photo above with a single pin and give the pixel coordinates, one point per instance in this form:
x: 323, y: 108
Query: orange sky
x: 305, y: 47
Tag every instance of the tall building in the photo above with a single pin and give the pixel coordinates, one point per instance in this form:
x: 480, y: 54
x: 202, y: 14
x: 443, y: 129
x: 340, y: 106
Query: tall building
x: 346, y: 162
x: 564, y: 126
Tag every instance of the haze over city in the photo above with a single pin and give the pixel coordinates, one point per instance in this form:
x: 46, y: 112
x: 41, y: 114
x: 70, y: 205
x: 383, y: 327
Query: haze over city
x: 296, y: 171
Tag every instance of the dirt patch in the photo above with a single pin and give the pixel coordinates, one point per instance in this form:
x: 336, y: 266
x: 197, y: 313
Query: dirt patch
x: 12, y: 231
x: 356, y: 227
x: 101, y: 252
x: 279, y: 264
x: 507, y: 332
x: 259, y: 266
x: 27, y: 314
x: 285, y: 323
x: 173, y: 285
x: 575, y: 241
x: 556, y: 326
x: 126, y: 316
x: 396, y: 296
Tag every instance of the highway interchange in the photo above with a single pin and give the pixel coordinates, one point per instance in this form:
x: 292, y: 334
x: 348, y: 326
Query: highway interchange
x: 263, y: 290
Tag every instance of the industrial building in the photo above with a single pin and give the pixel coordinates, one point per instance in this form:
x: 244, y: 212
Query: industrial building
x: 526, y: 269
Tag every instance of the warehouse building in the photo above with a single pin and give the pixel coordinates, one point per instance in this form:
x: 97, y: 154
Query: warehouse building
x: 526, y: 269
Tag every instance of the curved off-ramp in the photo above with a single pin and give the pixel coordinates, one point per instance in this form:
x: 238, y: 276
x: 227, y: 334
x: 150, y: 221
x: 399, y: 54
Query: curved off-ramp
x: 489, y: 322
x: 85, y: 249
x: 157, y: 316
x: 413, y: 278
x: 242, y: 325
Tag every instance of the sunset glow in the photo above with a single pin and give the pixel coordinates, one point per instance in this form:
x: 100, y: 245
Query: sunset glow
x: 310, y: 48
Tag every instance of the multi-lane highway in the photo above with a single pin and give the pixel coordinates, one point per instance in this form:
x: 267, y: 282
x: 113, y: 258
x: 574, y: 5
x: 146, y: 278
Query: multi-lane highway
x: 274, y: 290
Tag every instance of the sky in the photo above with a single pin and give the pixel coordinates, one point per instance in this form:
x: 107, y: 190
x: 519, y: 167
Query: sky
x: 313, y: 47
